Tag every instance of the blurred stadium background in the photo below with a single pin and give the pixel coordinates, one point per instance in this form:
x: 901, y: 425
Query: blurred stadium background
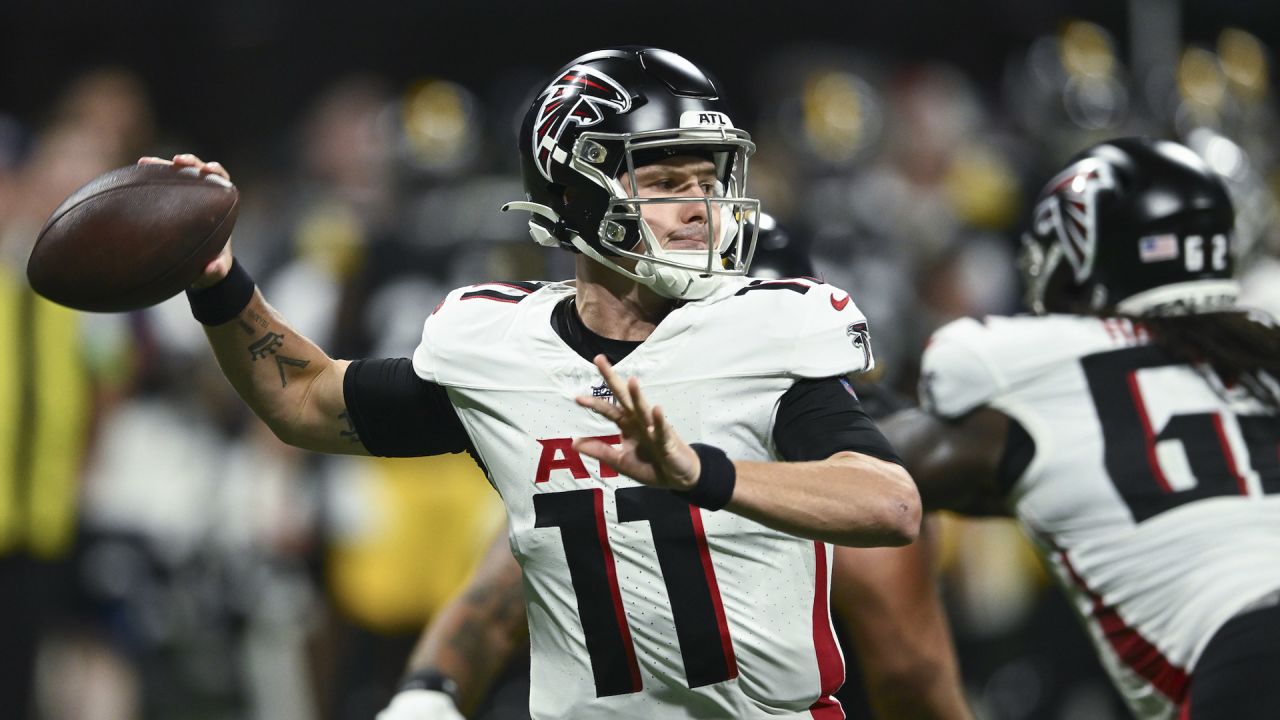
x: 166, y: 558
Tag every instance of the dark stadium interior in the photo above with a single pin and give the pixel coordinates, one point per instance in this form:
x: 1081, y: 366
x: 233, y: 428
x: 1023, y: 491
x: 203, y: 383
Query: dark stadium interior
x: 901, y: 143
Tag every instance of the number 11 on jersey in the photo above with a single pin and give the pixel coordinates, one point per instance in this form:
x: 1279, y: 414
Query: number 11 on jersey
x: 683, y: 557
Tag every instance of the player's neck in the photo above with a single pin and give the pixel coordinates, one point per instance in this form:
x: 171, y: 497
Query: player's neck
x: 616, y: 307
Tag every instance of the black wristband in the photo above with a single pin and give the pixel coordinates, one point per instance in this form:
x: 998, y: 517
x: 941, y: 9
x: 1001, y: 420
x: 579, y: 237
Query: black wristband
x: 430, y: 679
x: 716, y: 479
x: 222, y: 301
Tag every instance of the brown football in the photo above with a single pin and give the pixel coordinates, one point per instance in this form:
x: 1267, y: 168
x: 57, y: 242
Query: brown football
x: 132, y: 238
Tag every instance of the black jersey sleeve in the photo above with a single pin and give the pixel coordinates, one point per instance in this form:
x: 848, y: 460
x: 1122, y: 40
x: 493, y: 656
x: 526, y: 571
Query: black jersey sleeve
x: 819, y: 418
x: 398, y: 414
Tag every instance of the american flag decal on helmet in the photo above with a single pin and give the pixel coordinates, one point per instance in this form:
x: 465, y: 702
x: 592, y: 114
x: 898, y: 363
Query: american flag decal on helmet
x: 1071, y: 212
x: 580, y: 96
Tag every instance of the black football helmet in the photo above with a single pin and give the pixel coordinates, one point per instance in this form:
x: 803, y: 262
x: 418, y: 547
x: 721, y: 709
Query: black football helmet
x: 1136, y: 226
x: 608, y: 112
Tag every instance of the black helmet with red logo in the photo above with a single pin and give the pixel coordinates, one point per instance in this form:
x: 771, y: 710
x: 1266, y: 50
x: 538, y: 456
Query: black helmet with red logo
x: 607, y: 113
x: 1134, y: 225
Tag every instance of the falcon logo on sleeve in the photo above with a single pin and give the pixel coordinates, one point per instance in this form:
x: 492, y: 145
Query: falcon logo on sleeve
x: 580, y: 96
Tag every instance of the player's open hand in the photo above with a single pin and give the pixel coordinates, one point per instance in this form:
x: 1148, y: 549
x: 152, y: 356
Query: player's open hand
x: 221, y: 265
x: 650, y: 452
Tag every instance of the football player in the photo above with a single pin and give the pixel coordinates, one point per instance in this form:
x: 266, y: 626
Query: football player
x: 1131, y: 428
x: 662, y: 577
x: 885, y: 598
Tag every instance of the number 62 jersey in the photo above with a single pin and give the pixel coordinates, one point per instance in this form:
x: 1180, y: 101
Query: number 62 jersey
x: 641, y: 605
x: 1153, y: 492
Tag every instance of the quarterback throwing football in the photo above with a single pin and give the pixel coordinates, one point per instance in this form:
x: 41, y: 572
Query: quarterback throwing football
x: 663, y: 577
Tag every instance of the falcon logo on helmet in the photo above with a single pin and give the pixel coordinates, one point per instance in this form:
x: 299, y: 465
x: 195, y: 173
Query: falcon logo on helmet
x: 859, y: 334
x: 580, y: 96
x: 600, y: 118
x: 1105, y: 228
x: 1071, y: 212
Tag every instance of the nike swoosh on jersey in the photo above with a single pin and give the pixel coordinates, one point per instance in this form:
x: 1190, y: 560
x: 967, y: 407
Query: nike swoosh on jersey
x: 839, y: 304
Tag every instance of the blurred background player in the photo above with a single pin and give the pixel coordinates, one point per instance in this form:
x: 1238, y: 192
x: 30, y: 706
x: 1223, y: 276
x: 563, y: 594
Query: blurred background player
x: 61, y: 373
x: 1131, y: 428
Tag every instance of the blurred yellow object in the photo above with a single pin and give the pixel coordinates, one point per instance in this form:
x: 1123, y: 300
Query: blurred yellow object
x: 952, y: 545
x: 331, y: 236
x: 1244, y: 62
x: 1086, y: 50
x: 45, y: 400
x: 438, y: 118
x: 432, y: 519
x: 833, y: 115
x: 1201, y: 81
x: 982, y: 188
x: 992, y: 571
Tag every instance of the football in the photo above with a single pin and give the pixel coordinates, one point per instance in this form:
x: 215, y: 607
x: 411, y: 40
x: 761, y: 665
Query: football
x: 132, y: 238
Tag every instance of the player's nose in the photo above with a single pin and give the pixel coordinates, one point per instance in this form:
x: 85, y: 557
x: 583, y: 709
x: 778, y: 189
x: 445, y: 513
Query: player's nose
x: 692, y: 213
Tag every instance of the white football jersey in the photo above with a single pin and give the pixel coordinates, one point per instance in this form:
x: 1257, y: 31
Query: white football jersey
x: 1154, y: 492
x: 640, y: 604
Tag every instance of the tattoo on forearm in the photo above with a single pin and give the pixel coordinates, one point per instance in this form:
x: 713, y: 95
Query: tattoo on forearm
x: 497, y: 604
x: 350, y: 433
x: 268, y: 345
x: 511, y: 603
x: 281, y: 361
x: 256, y: 319
x: 501, y: 599
x: 265, y: 345
x: 246, y: 327
x: 468, y: 643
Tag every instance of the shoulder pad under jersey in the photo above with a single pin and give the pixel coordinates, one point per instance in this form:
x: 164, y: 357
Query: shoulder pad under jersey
x: 955, y: 373
x: 969, y: 363
x: 475, y: 316
x: 792, y: 326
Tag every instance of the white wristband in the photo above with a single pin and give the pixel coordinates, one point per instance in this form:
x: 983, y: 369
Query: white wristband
x: 421, y: 705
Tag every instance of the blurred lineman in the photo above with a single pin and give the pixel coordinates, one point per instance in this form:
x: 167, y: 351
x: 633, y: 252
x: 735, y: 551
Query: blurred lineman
x: 642, y: 600
x: 1133, y: 432
x: 885, y: 597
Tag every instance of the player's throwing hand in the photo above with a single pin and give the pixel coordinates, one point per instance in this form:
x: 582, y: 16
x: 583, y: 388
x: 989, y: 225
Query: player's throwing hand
x: 217, y: 268
x: 650, y: 452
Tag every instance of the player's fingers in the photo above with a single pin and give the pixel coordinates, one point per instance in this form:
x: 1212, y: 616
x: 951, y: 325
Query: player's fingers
x: 601, y: 407
x: 187, y: 160
x: 152, y: 160
x: 216, y: 168
x: 599, y: 449
x: 641, y: 406
x: 614, y: 382
x: 660, y: 431
x: 665, y: 440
